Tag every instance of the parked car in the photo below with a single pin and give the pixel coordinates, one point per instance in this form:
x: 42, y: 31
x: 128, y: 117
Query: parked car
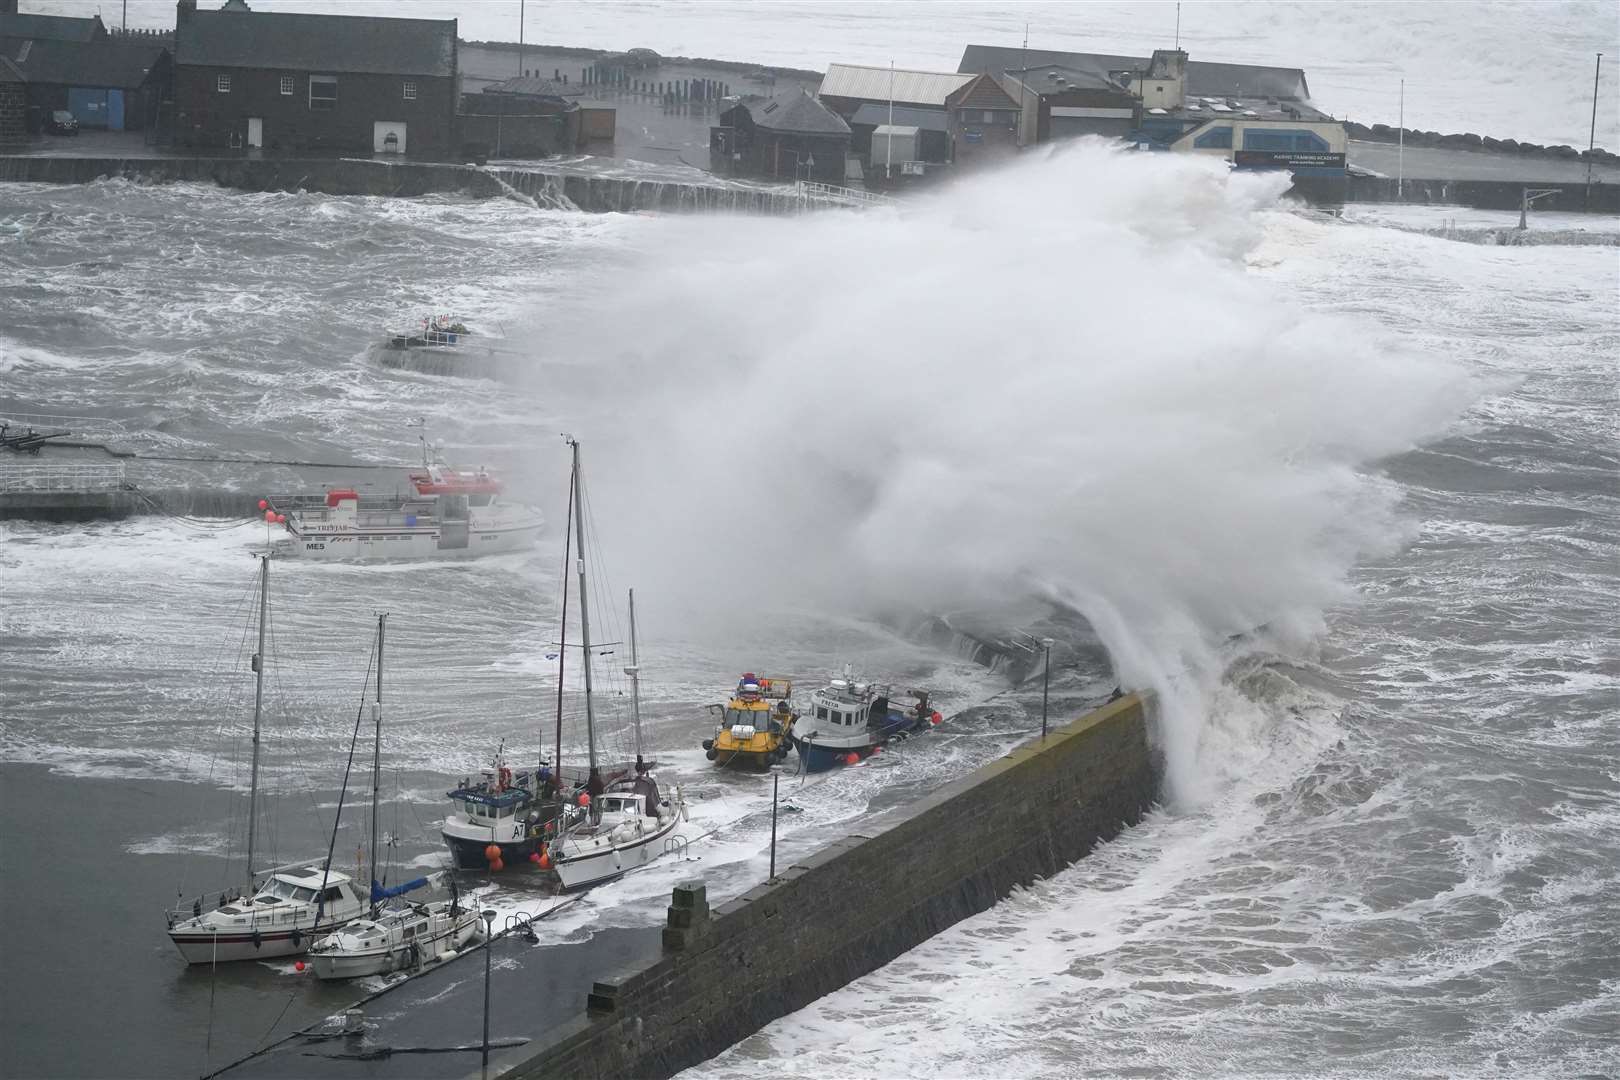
x: 62, y: 122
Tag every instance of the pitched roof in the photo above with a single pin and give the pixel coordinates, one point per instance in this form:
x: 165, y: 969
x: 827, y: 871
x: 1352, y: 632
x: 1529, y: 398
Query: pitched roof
x: 535, y: 86
x: 796, y: 111
x: 982, y: 93
x: 303, y: 42
x: 1203, y: 77
x: 52, y: 27
x: 101, y: 63
x: 881, y: 84
x: 876, y: 114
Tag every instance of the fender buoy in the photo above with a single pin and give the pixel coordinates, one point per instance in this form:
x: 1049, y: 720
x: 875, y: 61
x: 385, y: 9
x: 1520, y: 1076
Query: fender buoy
x: 258, y: 939
x: 297, y: 937
x: 711, y: 753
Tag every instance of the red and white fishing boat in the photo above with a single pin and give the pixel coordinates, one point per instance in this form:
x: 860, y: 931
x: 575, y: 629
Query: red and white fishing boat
x: 446, y: 513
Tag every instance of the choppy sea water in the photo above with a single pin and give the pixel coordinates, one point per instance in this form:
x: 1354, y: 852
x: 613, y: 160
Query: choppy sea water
x: 1365, y: 492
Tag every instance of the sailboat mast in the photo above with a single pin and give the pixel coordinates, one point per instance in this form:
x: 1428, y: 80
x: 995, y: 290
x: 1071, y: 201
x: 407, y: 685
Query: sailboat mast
x: 634, y: 671
x: 258, y: 711
x: 594, y: 783
x: 376, y: 755
x: 562, y: 638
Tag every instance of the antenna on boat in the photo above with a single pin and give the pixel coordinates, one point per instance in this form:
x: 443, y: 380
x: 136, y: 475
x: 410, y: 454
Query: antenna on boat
x: 593, y: 782
x: 258, y: 710
x: 634, y: 671
x: 376, y: 762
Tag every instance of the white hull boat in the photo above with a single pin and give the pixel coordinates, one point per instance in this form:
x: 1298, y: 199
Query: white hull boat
x: 281, y: 919
x: 396, y: 939
x: 625, y: 827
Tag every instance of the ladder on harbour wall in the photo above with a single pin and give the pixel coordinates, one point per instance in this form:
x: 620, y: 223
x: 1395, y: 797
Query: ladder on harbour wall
x: 810, y: 189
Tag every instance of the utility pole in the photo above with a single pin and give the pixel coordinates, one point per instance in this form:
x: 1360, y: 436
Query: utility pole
x: 776, y: 780
x: 488, y: 916
x: 1046, y: 683
x: 1178, y: 27
x: 1023, y: 87
x: 1400, y: 148
x: 888, y: 159
x: 1591, y: 139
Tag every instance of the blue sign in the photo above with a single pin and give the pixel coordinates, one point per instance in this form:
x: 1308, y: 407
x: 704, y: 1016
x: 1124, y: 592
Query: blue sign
x: 972, y: 135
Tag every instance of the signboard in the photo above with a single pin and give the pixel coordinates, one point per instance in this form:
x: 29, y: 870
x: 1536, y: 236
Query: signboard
x: 1287, y: 159
x: 972, y: 135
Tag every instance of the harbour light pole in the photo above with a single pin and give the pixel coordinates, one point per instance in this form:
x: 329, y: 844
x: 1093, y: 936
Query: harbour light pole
x: 1591, y: 138
x: 488, y: 915
x: 1400, y: 147
x: 888, y: 159
x: 1046, y: 682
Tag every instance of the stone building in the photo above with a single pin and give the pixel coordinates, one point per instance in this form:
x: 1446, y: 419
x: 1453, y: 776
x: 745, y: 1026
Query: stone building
x: 13, y: 105
x: 790, y: 136
x: 298, y: 83
x: 982, y: 120
x: 107, y: 83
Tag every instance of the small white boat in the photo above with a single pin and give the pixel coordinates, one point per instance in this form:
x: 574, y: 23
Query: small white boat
x: 448, y: 513
x: 396, y: 939
x: 626, y: 826
x: 280, y: 919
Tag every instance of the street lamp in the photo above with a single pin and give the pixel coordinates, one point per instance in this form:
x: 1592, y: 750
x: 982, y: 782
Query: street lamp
x: 1046, y: 682
x: 488, y: 915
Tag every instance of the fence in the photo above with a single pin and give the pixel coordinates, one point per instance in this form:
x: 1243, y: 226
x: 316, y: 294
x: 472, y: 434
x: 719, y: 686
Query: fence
x: 29, y: 479
x: 810, y: 189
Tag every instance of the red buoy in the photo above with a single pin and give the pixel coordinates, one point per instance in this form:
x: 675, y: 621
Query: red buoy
x: 281, y: 519
x: 298, y: 966
x: 497, y: 866
x: 876, y: 750
x: 852, y: 758
x: 584, y: 798
x: 534, y: 857
x: 264, y: 504
x: 493, y: 852
x: 270, y: 516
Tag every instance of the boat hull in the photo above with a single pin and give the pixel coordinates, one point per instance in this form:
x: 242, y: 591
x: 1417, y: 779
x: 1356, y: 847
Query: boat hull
x: 432, y: 950
x: 209, y: 948
x: 470, y: 854
x: 582, y: 871
x: 752, y: 760
x: 407, y: 543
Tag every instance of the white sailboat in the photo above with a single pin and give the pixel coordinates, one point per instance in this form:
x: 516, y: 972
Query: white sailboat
x: 613, y: 827
x: 404, y: 934
x: 280, y: 916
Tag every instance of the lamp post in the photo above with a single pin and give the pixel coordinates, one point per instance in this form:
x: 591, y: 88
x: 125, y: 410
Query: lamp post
x: 1046, y: 682
x: 488, y: 915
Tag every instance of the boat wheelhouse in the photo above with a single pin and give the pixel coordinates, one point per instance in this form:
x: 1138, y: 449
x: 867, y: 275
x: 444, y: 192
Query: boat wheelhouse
x: 279, y: 918
x: 447, y: 513
x: 755, y: 726
x: 847, y: 719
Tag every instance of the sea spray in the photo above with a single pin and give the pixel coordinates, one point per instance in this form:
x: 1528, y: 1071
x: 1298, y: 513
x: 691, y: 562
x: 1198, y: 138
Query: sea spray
x: 1057, y: 379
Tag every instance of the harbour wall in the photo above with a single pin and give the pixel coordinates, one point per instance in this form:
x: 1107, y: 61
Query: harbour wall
x: 549, y: 189
x: 1479, y: 194
x: 858, y: 903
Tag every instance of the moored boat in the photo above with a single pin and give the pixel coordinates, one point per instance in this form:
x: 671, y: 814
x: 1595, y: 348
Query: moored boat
x: 626, y: 826
x: 755, y: 726
x: 847, y: 720
x: 398, y: 938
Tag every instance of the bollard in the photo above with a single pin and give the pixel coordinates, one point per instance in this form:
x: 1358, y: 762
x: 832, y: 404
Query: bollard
x: 354, y: 1022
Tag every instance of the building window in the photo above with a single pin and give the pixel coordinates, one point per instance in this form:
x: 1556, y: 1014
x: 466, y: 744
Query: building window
x: 287, y: 86
x: 1283, y: 140
x: 410, y: 91
x: 322, y: 93
x: 1219, y: 138
x: 222, y: 83
x: 989, y: 117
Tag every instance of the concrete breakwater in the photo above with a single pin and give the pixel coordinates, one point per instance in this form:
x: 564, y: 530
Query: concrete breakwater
x: 546, y: 188
x: 858, y: 903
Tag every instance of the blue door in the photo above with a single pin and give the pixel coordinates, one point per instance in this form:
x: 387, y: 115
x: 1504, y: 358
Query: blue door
x: 115, y: 110
x: 89, y: 107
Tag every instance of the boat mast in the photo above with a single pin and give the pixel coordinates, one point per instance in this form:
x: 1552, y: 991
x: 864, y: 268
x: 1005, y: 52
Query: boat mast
x: 562, y: 642
x: 258, y: 711
x: 593, y: 783
x: 376, y: 759
x: 634, y: 671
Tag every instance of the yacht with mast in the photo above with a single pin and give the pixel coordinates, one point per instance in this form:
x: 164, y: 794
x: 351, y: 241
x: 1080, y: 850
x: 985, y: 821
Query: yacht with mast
x: 612, y: 826
x: 402, y: 934
x: 275, y: 912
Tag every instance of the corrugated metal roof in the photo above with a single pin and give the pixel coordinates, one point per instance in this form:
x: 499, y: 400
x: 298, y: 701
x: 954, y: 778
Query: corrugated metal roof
x: 881, y: 83
x: 876, y: 113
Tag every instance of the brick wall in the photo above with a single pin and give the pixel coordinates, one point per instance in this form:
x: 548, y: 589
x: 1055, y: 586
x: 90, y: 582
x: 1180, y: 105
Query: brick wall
x: 860, y: 902
x: 13, y: 114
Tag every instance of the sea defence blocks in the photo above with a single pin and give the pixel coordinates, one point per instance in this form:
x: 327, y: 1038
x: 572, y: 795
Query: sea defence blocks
x: 859, y: 902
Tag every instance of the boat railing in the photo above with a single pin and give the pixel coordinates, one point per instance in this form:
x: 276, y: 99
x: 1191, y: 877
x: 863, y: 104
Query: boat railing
x: 203, y: 903
x: 676, y: 845
x: 17, y: 478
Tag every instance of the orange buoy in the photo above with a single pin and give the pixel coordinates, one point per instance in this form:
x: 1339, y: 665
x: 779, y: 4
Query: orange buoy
x: 584, y: 798
x: 852, y: 758
x: 545, y: 861
x: 493, y: 852
x: 496, y: 865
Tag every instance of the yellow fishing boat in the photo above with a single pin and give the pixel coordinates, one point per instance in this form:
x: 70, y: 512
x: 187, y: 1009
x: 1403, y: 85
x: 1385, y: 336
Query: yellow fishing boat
x: 755, y: 726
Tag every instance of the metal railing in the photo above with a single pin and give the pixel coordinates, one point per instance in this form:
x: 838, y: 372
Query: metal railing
x: 52, y: 420
x: 17, y: 479
x: 811, y: 189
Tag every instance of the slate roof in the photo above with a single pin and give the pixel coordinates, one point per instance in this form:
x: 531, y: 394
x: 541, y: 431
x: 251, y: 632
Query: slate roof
x: 876, y: 114
x: 330, y: 43
x: 794, y: 111
x: 103, y: 63
x: 1203, y: 77
x: 52, y: 27
x: 982, y: 93
x: 880, y: 83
